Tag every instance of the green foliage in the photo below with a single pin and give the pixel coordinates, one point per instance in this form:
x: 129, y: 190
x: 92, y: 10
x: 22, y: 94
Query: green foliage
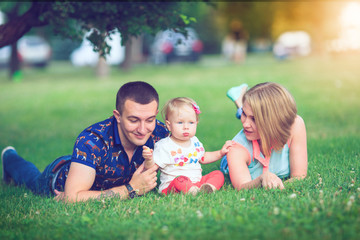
x: 128, y: 18
x: 42, y: 115
x: 8, y: 7
x: 73, y: 19
x: 187, y: 20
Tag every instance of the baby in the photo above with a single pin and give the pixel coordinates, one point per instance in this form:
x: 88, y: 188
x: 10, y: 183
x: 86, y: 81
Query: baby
x: 179, y: 155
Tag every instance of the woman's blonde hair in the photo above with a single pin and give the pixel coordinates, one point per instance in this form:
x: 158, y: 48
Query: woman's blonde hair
x: 175, y: 104
x: 274, y: 110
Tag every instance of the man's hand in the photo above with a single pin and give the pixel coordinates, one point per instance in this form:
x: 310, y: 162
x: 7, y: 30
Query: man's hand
x: 59, y: 196
x: 270, y: 180
x: 144, y: 181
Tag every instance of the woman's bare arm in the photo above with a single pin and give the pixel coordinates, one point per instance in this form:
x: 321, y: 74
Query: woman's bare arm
x: 298, y: 150
x: 238, y: 160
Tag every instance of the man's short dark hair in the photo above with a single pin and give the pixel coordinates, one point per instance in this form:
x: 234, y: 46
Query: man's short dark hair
x: 139, y: 92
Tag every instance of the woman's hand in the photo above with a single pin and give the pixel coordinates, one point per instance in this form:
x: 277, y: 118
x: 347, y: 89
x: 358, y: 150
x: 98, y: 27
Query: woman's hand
x: 269, y: 180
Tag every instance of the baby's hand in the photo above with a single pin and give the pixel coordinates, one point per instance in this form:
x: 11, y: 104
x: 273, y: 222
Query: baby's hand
x: 225, y: 149
x: 148, y: 156
x: 147, y: 153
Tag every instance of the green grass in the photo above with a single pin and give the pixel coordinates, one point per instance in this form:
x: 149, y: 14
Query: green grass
x: 42, y: 116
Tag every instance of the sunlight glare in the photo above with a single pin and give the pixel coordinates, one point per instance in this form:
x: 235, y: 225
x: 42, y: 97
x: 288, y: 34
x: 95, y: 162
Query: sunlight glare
x: 349, y: 34
x: 350, y: 16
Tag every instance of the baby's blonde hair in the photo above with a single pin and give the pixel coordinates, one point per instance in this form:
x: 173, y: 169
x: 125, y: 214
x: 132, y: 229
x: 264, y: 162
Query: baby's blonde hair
x: 176, y: 103
x: 274, y: 111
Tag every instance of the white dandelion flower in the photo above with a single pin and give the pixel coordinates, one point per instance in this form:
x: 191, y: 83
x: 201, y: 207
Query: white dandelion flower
x: 276, y: 211
x: 199, y: 214
x: 165, y: 229
x: 293, y: 195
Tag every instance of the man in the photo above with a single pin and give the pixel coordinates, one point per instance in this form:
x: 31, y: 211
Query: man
x: 107, y: 156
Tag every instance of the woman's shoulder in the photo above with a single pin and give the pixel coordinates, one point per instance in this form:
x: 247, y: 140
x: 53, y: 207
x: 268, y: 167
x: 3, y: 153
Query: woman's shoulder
x: 299, y: 119
x: 298, y: 128
x: 299, y: 123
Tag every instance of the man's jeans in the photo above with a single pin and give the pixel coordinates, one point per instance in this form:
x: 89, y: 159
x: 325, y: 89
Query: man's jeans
x: 26, y: 173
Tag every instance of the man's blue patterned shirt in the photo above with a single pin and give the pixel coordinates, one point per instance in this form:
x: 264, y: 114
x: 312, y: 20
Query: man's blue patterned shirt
x: 99, y: 147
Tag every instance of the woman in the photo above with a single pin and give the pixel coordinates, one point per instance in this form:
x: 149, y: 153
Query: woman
x: 271, y: 147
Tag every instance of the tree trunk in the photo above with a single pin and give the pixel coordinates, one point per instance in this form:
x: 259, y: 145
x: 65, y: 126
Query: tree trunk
x: 102, y: 69
x: 133, y: 52
x: 14, y: 65
x: 126, y: 64
x: 17, y: 25
x: 136, y: 49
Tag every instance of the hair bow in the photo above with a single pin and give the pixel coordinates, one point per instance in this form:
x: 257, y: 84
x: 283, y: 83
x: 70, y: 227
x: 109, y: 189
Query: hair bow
x: 196, y: 108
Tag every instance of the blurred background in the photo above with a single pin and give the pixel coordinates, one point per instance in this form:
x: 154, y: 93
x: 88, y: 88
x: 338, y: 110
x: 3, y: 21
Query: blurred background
x: 229, y: 30
x: 52, y: 87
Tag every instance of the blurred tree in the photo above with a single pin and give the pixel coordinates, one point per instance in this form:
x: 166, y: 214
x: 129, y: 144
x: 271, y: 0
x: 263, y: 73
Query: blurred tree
x: 256, y: 17
x: 72, y: 19
x: 205, y: 24
x: 12, y: 11
x: 213, y: 23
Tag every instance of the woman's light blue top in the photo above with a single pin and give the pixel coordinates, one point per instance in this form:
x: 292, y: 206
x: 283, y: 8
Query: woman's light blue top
x: 279, y: 160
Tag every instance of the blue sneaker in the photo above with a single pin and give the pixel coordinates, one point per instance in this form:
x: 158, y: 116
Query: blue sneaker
x: 5, y: 176
x: 235, y: 92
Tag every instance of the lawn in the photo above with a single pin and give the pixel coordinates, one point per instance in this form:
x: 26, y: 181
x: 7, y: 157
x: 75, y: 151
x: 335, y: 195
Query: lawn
x: 43, y: 114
